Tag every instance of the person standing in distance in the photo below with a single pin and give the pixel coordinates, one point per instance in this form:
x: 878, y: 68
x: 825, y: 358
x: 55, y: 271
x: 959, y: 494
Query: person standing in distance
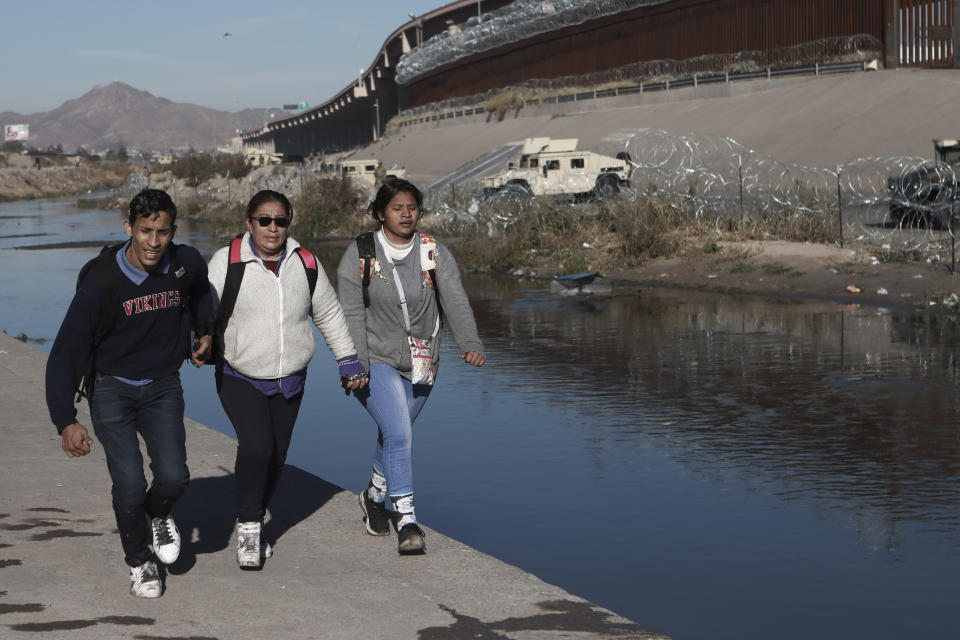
x: 153, y: 293
x: 392, y: 303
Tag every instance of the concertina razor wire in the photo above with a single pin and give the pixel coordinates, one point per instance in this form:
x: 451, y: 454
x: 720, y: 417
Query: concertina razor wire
x: 515, y: 22
x: 905, y: 203
x: 843, y: 49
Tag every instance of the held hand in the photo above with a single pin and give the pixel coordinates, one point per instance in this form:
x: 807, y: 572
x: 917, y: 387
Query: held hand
x: 354, y: 384
x: 201, y: 350
x: 75, y: 440
x: 474, y: 358
x: 353, y: 375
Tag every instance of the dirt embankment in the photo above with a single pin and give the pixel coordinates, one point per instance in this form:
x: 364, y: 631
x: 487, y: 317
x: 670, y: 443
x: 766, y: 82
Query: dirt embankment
x: 800, y: 270
x: 50, y: 182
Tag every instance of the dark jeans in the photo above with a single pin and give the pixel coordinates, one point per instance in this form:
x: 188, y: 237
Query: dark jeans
x: 155, y: 411
x: 264, y: 426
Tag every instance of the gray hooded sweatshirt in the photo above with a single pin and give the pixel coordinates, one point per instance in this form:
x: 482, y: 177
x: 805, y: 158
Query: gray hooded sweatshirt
x: 378, y: 331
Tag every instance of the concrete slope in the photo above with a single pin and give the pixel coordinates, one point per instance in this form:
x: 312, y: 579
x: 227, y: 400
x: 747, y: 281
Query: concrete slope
x: 814, y: 121
x: 481, y: 167
x: 62, y: 573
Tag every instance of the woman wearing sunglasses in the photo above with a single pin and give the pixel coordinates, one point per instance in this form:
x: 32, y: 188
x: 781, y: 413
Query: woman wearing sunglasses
x: 266, y: 345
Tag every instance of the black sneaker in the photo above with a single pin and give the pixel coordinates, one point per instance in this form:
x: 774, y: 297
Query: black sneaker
x: 411, y: 540
x: 375, y: 515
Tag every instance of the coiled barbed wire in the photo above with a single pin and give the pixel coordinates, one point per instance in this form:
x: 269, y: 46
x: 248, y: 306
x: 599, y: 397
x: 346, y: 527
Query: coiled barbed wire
x: 854, y: 48
x: 902, y: 202
x: 515, y: 22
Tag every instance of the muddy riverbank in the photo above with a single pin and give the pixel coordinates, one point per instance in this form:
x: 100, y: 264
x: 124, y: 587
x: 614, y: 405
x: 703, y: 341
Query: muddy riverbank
x: 800, y: 270
x: 774, y: 269
x: 18, y: 183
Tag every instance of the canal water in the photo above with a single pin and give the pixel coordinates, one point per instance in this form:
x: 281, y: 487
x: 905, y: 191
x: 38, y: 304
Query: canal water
x: 710, y: 467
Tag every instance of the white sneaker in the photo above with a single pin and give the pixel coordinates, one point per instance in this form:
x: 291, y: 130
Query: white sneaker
x: 166, y: 539
x: 248, y: 544
x: 266, y: 550
x: 145, y: 580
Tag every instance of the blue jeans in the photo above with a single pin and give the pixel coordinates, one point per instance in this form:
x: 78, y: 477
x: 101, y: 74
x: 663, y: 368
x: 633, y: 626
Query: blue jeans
x: 155, y: 411
x: 394, y: 404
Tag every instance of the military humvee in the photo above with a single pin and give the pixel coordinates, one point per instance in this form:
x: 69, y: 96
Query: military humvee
x: 260, y: 158
x: 363, y: 171
x: 556, y: 167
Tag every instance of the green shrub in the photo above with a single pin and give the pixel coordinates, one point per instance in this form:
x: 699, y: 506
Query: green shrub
x: 329, y: 204
x: 199, y: 166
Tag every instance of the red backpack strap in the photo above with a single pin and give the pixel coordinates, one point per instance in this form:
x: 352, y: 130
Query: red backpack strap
x: 310, y: 264
x: 235, y: 245
x: 309, y: 260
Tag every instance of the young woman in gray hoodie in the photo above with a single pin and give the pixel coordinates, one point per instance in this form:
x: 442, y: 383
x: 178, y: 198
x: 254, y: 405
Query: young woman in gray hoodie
x: 410, y: 277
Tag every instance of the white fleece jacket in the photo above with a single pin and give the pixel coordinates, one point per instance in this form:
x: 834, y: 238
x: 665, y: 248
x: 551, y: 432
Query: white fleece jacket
x: 269, y: 334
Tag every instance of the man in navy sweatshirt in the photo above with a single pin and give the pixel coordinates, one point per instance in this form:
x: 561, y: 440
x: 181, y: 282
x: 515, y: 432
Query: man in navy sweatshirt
x: 155, y: 293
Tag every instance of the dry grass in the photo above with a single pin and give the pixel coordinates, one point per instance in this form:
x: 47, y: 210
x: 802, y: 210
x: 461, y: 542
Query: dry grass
x: 556, y: 237
x: 330, y: 205
x: 743, y: 66
x: 553, y: 237
x: 508, y: 100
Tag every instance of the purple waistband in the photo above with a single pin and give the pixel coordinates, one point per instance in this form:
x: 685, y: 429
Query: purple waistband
x: 289, y: 385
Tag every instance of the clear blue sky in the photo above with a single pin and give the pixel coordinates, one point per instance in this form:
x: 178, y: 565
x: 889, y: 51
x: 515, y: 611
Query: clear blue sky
x: 283, y: 51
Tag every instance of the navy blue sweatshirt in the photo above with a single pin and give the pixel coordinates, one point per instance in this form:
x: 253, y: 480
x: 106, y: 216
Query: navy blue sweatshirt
x: 151, y: 336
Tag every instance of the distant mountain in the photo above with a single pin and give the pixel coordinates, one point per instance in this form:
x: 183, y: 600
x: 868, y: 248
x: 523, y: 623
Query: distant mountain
x: 115, y: 114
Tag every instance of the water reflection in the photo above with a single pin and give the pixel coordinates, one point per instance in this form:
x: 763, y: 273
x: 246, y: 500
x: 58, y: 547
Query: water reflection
x: 829, y: 402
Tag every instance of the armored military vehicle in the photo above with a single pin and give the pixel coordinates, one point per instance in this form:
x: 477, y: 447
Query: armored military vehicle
x: 555, y: 167
x: 364, y: 172
x: 261, y: 158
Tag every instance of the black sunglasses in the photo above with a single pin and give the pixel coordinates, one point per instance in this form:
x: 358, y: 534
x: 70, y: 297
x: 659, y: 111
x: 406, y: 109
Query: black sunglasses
x: 265, y: 221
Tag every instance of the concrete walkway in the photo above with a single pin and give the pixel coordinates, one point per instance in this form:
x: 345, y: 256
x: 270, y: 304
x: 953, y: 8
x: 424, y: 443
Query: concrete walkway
x: 62, y: 572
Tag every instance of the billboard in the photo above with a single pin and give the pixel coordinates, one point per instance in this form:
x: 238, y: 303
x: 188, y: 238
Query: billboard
x: 16, y: 132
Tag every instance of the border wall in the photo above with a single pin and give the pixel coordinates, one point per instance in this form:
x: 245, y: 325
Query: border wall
x: 453, y: 52
x: 677, y: 30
